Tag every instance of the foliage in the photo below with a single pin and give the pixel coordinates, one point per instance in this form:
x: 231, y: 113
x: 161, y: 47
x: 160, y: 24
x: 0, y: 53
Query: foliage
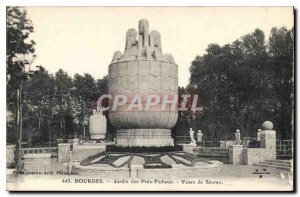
x: 281, y: 49
x: 154, y: 162
x: 19, y: 54
x: 19, y: 47
x: 245, y: 83
x: 63, y: 107
x: 52, y: 107
x: 38, y: 102
x: 84, y: 94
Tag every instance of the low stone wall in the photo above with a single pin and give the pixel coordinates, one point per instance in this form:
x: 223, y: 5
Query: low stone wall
x: 107, y: 172
x: 211, y: 151
x: 64, y: 152
x: 267, y: 150
x: 82, y: 152
x: 256, y: 155
x: 37, y: 161
x: 79, y: 151
x: 236, y: 154
x: 223, y: 159
x: 190, y: 148
x: 10, y: 156
x: 227, y: 143
x: 240, y: 154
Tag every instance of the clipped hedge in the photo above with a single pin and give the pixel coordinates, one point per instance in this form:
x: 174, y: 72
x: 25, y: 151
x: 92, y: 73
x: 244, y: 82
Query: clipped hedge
x: 143, y: 149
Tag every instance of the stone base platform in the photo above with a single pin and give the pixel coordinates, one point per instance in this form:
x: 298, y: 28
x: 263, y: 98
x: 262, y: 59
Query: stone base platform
x: 178, y: 164
x: 144, y: 137
x: 138, y: 171
x: 188, y: 147
x: 98, y: 137
x: 40, y: 161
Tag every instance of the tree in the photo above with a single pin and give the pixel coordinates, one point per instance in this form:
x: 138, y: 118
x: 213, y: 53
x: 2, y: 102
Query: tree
x: 281, y: 49
x: 63, y: 87
x: 18, y: 51
x: 18, y: 46
x: 86, y: 98
x: 39, y: 102
x: 101, y: 89
x: 239, y: 85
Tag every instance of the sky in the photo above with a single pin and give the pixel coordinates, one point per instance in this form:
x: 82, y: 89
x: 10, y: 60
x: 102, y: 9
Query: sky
x: 84, y: 39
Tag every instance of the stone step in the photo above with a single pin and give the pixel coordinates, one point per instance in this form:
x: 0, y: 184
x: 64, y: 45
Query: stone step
x: 275, y: 163
x: 273, y: 166
x: 279, y: 161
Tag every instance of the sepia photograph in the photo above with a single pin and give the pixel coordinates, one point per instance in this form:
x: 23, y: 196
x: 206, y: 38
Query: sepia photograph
x: 150, y: 98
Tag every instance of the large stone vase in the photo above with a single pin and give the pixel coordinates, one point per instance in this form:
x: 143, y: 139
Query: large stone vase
x: 143, y: 70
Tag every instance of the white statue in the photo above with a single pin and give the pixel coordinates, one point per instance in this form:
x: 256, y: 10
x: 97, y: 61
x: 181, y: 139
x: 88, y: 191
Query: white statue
x: 193, y: 141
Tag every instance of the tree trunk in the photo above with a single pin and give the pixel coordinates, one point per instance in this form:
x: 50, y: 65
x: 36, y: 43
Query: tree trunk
x: 19, y: 127
x: 60, y: 119
x: 20, y: 119
x: 40, y: 119
x: 61, y: 122
x: 30, y: 134
x: 49, y: 132
x: 18, y: 145
x: 83, y: 120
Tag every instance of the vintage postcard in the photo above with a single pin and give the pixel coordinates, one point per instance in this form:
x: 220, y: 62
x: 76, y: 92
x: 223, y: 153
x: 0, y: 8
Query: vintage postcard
x: 150, y: 98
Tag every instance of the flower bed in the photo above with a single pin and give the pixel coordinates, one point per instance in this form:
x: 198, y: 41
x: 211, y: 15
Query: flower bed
x: 143, y: 149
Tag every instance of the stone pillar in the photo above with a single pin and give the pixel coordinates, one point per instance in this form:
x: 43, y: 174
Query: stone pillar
x: 10, y: 156
x: 64, y: 152
x: 75, y: 143
x: 37, y: 161
x: 199, y: 136
x: 258, y: 135
x: 268, y: 140
x: 236, y: 154
x: 135, y: 170
x: 238, y: 136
